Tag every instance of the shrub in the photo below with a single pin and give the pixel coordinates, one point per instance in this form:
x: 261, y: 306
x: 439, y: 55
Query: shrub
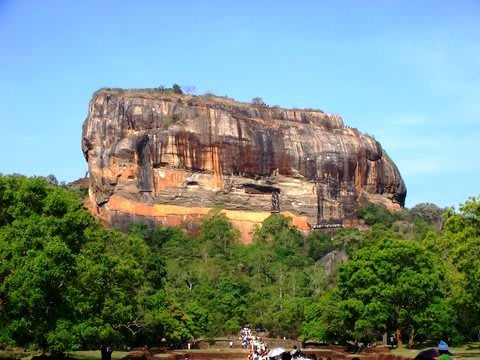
x: 257, y: 101
x: 375, y: 214
x: 177, y: 89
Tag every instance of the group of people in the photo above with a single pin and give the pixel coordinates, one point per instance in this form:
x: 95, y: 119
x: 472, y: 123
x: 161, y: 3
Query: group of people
x: 258, y: 349
x: 357, y: 346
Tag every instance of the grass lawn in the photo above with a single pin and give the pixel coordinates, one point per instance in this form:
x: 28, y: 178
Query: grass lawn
x: 467, y: 351
x: 95, y: 355
x: 80, y: 355
x: 17, y: 353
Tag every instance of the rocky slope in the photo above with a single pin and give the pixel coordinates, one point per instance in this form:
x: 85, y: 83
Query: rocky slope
x: 158, y: 156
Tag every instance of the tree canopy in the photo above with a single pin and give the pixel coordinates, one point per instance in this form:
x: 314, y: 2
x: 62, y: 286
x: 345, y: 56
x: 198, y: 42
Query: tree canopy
x: 66, y: 282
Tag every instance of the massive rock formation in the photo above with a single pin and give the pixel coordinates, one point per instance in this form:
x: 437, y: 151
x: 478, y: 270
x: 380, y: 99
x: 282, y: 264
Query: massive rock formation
x: 169, y: 157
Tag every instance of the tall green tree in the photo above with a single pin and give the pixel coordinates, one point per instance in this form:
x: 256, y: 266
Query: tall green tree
x: 41, y: 232
x: 217, y: 233
x: 277, y: 231
x: 376, y: 214
x: 428, y: 213
x: 460, y: 244
x: 66, y: 283
x: 325, y: 320
x: 390, y: 286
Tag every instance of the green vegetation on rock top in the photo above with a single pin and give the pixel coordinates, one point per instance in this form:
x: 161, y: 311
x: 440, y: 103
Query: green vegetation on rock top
x: 175, y: 92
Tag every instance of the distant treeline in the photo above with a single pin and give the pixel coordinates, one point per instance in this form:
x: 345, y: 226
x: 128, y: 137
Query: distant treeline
x: 68, y: 283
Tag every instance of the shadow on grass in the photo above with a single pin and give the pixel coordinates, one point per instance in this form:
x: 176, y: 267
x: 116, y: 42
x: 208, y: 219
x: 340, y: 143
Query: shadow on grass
x: 473, y: 346
x: 467, y: 351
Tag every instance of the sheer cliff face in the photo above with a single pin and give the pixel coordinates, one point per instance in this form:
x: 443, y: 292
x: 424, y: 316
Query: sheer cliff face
x: 171, y: 158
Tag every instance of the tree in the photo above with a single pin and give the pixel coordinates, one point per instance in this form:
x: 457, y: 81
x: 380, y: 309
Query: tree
x: 41, y: 231
x: 177, y: 89
x: 375, y: 214
x: 217, y: 232
x: 277, y: 231
x: 52, y: 179
x: 460, y: 244
x: 201, y: 319
x: 390, y: 286
x: 154, y: 237
x: 189, y: 89
x: 286, y: 317
x: 257, y: 101
x: 430, y: 213
x: 64, y: 281
x: 347, y: 239
x: 317, y: 245
x: 165, y: 318
x: 229, y: 302
x: 324, y: 320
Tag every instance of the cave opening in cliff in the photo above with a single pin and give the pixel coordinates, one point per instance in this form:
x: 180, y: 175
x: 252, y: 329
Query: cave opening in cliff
x: 160, y: 164
x: 265, y: 190
x: 260, y: 189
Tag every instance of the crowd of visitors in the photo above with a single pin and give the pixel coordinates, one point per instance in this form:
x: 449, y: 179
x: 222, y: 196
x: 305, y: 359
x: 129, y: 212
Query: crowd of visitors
x: 258, y: 349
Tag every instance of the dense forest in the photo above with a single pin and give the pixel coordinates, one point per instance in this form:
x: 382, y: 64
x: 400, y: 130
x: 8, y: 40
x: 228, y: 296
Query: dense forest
x: 67, y: 283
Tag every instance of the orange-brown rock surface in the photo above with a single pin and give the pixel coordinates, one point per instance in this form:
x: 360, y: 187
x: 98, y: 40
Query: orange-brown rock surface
x: 169, y: 157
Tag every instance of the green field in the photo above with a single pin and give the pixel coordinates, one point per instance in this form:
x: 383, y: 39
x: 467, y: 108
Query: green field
x: 469, y: 351
x: 95, y: 355
x: 81, y: 355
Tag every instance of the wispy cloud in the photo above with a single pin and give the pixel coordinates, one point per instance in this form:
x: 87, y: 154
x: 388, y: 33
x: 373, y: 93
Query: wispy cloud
x: 424, y: 165
x: 448, y: 161
x: 446, y: 63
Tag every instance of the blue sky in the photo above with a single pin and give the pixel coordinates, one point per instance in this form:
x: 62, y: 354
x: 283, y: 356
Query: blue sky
x: 406, y: 72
